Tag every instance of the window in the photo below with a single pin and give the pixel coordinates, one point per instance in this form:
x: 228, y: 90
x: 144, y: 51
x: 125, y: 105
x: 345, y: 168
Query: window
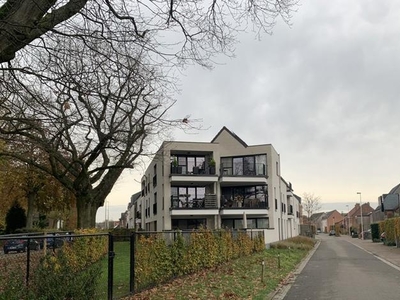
x: 226, y: 163
x: 185, y: 197
x: 249, y: 166
x: 253, y: 223
x: 238, y: 166
x: 263, y: 223
x: 155, y: 204
x: 250, y: 197
x: 155, y: 176
x: 188, y: 224
x: 189, y: 164
x: 244, y: 165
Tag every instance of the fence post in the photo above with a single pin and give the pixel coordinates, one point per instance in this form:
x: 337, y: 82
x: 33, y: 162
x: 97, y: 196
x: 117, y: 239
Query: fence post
x: 28, y: 260
x: 111, y: 255
x: 132, y: 263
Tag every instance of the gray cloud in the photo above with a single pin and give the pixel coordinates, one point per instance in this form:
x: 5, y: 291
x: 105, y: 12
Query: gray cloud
x: 323, y: 92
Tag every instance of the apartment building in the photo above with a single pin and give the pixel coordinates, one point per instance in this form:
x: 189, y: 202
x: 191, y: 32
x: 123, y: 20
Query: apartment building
x: 224, y: 183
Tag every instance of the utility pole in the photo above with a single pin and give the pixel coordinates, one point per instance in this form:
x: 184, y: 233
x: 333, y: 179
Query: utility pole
x: 362, y: 223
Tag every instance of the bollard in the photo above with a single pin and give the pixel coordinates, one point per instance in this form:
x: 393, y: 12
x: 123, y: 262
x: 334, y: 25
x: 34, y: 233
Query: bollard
x: 279, y: 261
x: 262, y: 271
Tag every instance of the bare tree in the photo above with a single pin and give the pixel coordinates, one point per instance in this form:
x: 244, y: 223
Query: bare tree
x: 88, y: 82
x: 181, y: 30
x: 93, y: 118
x: 311, y: 204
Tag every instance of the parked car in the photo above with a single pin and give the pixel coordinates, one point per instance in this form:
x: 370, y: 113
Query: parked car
x: 383, y: 237
x: 332, y: 232
x: 20, y: 245
x: 52, y: 242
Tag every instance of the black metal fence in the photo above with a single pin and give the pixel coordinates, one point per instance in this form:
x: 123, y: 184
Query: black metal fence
x: 24, y: 254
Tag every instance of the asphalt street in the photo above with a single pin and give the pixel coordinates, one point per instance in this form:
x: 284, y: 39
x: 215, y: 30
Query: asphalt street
x: 341, y: 268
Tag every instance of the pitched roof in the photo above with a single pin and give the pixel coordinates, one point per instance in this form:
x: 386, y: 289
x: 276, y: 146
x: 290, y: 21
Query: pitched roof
x: 329, y: 213
x: 395, y: 189
x: 135, y: 197
x: 316, y: 216
x: 232, y: 134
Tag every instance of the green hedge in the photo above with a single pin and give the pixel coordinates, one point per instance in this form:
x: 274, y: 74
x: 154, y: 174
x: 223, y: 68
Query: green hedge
x: 391, y: 227
x: 70, y: 272
x: 157, y: 261
x: 375, y: 235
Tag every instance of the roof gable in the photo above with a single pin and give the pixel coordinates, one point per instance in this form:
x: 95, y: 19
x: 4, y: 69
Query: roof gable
x: 232, y: 134
x: 317, y: 216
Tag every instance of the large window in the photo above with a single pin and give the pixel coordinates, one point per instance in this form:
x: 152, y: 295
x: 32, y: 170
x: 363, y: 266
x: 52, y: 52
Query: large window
x: 189, y: 164
x: 249, y: 196
x: 244, y: 165
x: 252, y: 223
x: 188, y: 224
x: 188, y: 197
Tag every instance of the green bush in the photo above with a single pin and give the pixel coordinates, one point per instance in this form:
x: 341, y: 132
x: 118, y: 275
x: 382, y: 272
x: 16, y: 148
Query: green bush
x: 57, y: 279
x: 375, y: 235
x: 14, y: 287
x: 157, y: 261
x: 390, y: 227
x: 121, y: 234
x: 54, y: 279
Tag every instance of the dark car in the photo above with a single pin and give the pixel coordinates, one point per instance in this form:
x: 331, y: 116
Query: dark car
x: 20, y: 245
x: 55, y: 242
x: 52, y: 242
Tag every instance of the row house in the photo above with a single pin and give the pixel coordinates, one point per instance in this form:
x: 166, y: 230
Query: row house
x: 224, y: 183
x: 353, y: 218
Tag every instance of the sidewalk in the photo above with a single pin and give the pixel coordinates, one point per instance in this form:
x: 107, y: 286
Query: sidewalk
x: 388, y: 253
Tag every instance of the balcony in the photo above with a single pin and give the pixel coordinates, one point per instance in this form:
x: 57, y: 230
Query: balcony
x: 252, y: 174
x: 208, y: 202
x: 251, y: 170
x: 240, y: 203
x: 183, y: 170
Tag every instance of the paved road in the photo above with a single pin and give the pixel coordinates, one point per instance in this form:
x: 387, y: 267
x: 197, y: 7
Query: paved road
x: 340, y: 269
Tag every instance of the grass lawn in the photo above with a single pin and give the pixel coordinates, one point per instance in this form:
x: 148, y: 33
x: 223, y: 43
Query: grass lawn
x: 238, y: 279
x: 121, y: 272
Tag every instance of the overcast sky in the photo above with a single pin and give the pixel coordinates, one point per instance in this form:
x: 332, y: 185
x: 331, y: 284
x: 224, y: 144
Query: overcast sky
x: 322, y: 91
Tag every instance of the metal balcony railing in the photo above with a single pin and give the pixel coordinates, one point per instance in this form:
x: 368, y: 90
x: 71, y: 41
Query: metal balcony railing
x: 257, y: 169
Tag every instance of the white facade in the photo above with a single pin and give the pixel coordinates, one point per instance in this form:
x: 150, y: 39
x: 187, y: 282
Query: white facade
x: 183, y: 189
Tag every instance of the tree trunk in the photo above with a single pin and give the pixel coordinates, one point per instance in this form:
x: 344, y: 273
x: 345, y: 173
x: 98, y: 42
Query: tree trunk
x: 86, y: 210
x: 31, y: 210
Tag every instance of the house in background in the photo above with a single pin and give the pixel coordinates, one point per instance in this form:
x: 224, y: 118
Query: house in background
x: 316, y: 220
x: 331, y: 219
x: 356, y: 213
x: 224, y: 183
x: 133, y: 217
x: 377, y: 215
x: 390, y: 203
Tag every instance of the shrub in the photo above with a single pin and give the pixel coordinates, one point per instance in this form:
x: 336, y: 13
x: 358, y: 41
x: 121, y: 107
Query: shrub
x: 14, y: 287
x: 56, y: 278
x: 375, y: 235
x: 156, y: 261
x: 298, y: 242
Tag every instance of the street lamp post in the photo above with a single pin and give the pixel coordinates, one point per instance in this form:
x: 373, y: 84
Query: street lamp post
x: 362, y: 223
x: 348, y: 219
